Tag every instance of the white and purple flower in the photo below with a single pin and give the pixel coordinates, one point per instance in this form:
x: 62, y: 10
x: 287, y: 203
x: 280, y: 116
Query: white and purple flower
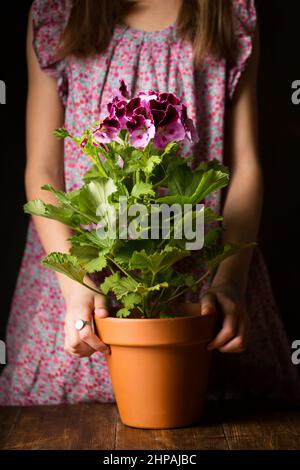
x: 151, y: 115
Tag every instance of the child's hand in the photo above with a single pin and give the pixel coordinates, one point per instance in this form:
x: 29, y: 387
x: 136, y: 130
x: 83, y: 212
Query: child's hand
x: 231, y: 338
x: 81, y: 305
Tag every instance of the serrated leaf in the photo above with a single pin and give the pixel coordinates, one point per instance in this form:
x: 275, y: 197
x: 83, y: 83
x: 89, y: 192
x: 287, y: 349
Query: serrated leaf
x: 155, y: 262
x: 65, y: 264
x: 120, y: 286
x: 64, y: 215
x: 151, y: 163
x: 123, y: 313
x: 96, y: 265
x: 95, y: 194
x: 109, y: 283
x: 92, y: 239
x: 191, y: 187
x: 68, y: 198
x: 132, y: 299
x: 84, y: 253
x: 142, y: 189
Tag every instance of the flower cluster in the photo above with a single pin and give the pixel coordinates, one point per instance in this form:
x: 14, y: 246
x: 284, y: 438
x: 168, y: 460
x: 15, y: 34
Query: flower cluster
x: 150, y: 115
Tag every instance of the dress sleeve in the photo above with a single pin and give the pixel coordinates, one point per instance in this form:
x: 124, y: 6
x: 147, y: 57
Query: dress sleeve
x: 49, y: 19
x: 245, y: 20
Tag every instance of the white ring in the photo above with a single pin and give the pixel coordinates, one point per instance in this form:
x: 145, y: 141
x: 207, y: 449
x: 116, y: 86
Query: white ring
x: 80, y: 324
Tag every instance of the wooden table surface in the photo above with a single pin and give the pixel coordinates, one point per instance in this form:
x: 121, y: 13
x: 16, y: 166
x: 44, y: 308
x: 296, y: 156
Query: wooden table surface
x: 97, y: 426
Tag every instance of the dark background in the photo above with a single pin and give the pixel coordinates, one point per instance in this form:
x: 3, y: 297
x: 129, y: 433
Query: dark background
x: 279, y: 150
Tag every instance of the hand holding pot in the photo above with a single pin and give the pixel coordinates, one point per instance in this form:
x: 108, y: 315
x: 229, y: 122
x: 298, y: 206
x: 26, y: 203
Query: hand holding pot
x: 82, y: 304
x: 231, y: 338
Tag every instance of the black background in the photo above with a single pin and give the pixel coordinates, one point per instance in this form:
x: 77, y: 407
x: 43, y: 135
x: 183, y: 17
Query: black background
x: 279, y: 150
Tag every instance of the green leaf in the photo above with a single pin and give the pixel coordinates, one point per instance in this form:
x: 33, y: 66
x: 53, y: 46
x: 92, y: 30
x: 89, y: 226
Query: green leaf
x: 182, y: 181
x: 191, y: 187
x: 120, y: 286
x: 170, y: 148
x: 161, y: 285
x: 92, y: 174
x: 35, y: 207
x: 211, y: 216
x: 110, y: 282
x: 61, y: 133
x: 123, y: 313
x: 95, y: 194
x: 211, y: 181
x: 142, y: 189
x: 125, y: 252
x: 92, y: 239
x: 132, y: 299
x: 64, y: 215
x: 155, y: 262
x: 96, y: 265
x: 68, y: 198
x: 65, y: 264
x: 151, y: 163
x: 84, y: 253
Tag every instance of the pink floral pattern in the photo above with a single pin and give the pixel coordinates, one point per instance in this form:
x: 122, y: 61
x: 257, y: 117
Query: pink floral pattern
x: 38, y: 370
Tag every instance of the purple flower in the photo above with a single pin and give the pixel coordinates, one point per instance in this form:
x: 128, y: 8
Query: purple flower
x: 188, y: 124
x: 88, y: 227
x: 132, y: 106
x: 123, y: 89
x: 141, y: 130
x: 145, y: 97
x: 170, y: 98
x: 167, y: 119
x: 149, y: 115
x: 140, y: 123
x: 117, y: 109
x: 83, y: 142
x: 107, y: 131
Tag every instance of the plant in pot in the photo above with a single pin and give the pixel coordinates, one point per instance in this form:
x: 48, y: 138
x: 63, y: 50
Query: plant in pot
x: 136, y: 219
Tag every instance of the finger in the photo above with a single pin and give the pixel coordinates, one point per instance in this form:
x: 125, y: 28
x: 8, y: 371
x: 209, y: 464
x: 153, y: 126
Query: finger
x: 80, y: 349
x: 74, y: 346
x: 88, y: 337
x: 100, y: 306
x: 227, y: 332
x: 73, y: 343
x: 236, y: 345
x: 208, y: 304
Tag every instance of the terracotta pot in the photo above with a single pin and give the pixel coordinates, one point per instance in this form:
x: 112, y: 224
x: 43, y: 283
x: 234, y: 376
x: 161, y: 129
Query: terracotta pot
x: 159, y: 367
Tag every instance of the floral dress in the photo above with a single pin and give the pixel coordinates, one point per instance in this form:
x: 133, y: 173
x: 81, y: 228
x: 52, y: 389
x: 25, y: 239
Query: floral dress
x: 39, y: 371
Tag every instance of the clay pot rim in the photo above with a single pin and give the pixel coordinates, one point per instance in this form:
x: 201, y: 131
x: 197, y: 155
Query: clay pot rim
x: 190, y: 329
x: 154, y: 320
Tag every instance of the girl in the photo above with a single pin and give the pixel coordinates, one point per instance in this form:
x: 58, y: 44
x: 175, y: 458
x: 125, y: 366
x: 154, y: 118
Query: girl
x: 205, y: 51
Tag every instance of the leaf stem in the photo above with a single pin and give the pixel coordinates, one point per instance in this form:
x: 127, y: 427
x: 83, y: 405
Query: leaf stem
x: 121, y: 269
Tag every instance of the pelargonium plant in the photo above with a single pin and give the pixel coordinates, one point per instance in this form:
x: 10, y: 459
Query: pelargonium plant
x: 139, y: 212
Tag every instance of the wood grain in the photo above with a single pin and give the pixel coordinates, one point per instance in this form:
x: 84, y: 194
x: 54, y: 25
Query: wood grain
x: 84, y: 426
x: 8, y: 418
x: 98, y: 426
x: 260, y: 429
x: 207, y: 435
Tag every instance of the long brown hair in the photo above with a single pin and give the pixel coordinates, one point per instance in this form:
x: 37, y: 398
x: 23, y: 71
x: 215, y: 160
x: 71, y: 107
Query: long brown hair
x: 207, y: 24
